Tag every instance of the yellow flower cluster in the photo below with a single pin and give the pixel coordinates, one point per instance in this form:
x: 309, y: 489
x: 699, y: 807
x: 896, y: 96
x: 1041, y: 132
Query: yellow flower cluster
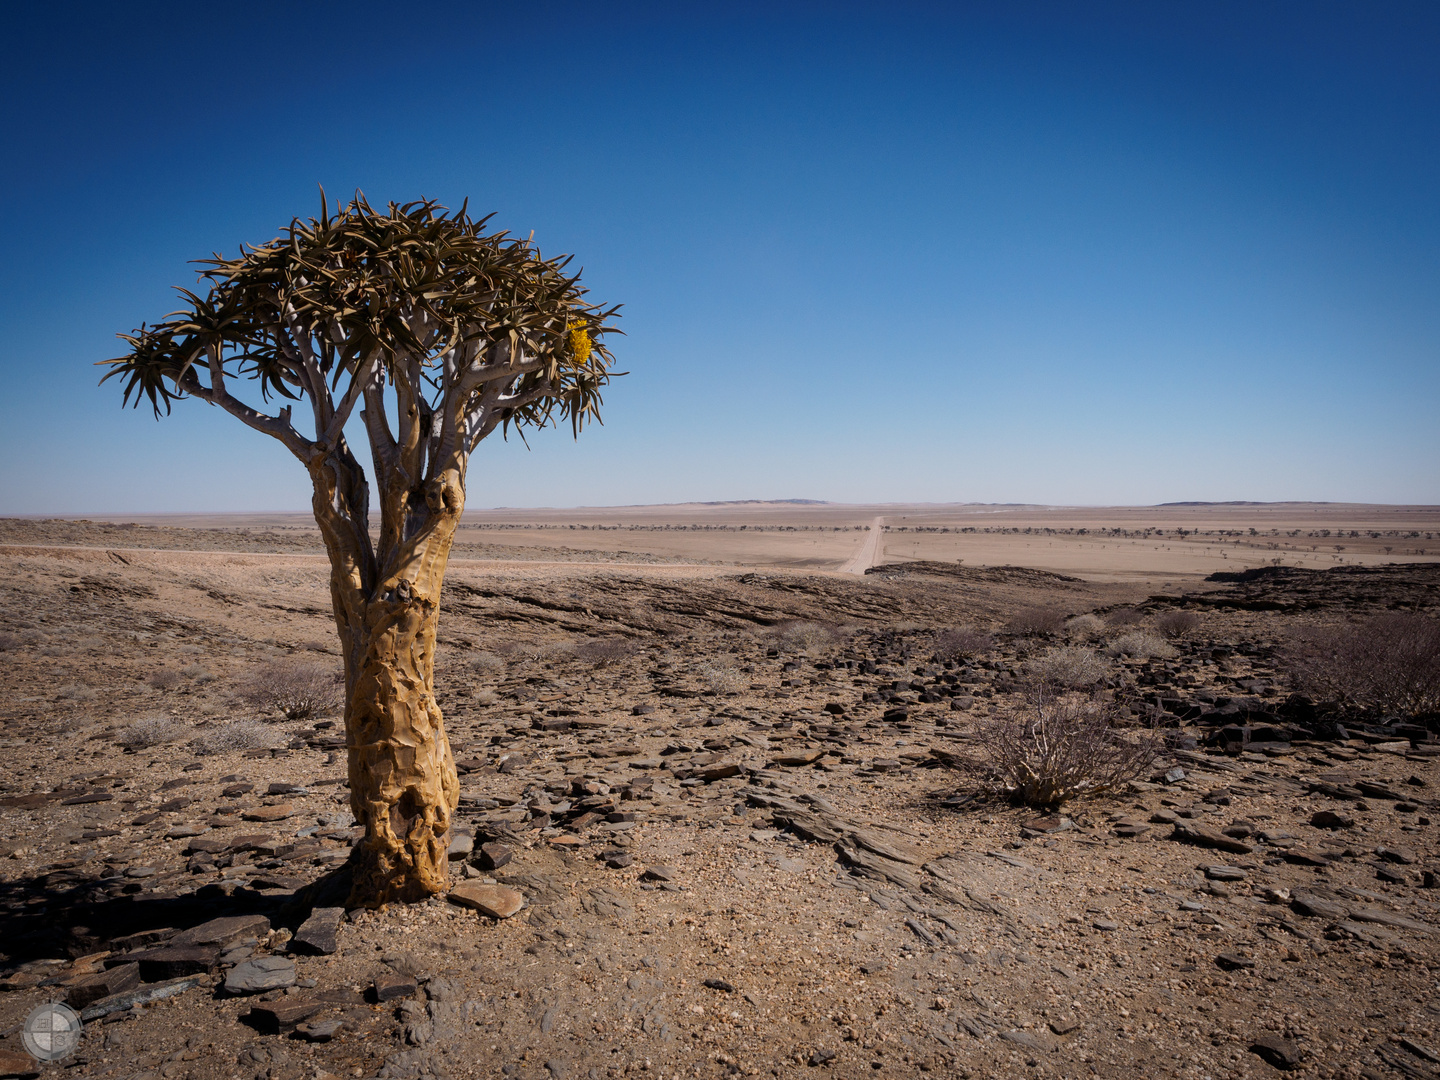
x: 579, y: 340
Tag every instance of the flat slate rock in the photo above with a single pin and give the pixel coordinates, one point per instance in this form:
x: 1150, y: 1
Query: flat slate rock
x: 318, y: 933
x: 224, y: 931
x: 175, y: 961
x: 261, y: 974
x: 497, y: 901
x: 102, y: 984
x: 1204, y: 836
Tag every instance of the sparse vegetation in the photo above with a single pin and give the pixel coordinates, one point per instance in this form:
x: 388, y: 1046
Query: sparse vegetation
x: 1036, y: 620
x: 487, y: 663
x: 1122, y: 617
x: 961, y: 643
x: 298, y: 689
x: 1177, y: 624
x: 237, y: 735
x: 151, y: 731
x: 1064, y: 747
x: 1085, y: 627
x: 804, y: 637
x: 721, y: 678
x: 164, y: 679
x: 1068, y: 668
x: 602, y: 652
x: 1389, y: 664
x: 9, y: 642
x: 1141, y: 645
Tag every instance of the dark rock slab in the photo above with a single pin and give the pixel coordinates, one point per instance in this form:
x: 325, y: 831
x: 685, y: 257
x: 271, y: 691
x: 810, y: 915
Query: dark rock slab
x: 319, y: 933
x: 102, y: 984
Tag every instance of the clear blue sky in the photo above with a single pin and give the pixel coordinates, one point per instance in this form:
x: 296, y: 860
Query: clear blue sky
x: 1043, y: 252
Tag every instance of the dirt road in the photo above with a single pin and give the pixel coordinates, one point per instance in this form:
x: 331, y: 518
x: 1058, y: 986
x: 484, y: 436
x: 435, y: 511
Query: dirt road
x: 869, y: 553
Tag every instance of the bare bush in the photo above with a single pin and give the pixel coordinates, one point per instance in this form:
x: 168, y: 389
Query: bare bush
x: 298, y: 689
x: 152, y: 731
x: 77, y: 692
x: 1084, y: 627
x: 198, y: 673
x: 487, y: 663
x: 1141, y: 645
x: 1175, y: 624
x: 164, y: 679
x: 239, y: 735
x: 1389, y: 664
x: 805, y: 637
x: 1068, y: 668
x: 722, y: 678
x: 9, y: 642
x: 1036, y: 620
x: 602, y: 652
x: 1064, y: 747
x: 485, y: 697
x: 1125, y: 616
x: 961, y: 643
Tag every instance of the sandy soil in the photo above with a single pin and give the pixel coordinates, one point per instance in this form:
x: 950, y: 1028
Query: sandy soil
x: 781, y: 876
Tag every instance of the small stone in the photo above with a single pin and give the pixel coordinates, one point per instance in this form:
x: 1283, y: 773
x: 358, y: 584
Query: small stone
x: 494, y: 855
x: 261, y: 974
x: 278, y: 812
x: 497, y: 901
x: 1395, y: 855
x: 619, y: 860
x: 1105, y: 924
x: 795, y: 761
x: 318, y: 933
x: 659, y: 873
x: 392, y: 987
x: 1025, y: 1039
x: 1225, y: 873
x: 1234, y: 961
x: 821, y: 1056
x: 273, y: 1017
x: 1064, y: 1027
x: 15, y: 1064
x: 115, y: 980
x: 175, y: 961
x: 1277, y: 1051
x: 721, y: 985
x: 1329, y: 819
x: 461, y: 844
x: 320, y: 1031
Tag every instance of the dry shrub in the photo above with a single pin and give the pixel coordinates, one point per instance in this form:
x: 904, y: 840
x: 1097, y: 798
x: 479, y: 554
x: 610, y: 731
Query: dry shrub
x: 1389, y: 664
x: 1036, y: 620
x: 1175, y: 624
x: 961, y: 643
x: 722, y: 678
x: 1141, y: 645
x: 1062, y: 748
x: 239, y: 735
x: 487, y: 663
x: 164, y: 679
x: 199, y: 673
x: 77, y: 692
x: 1125, y: 616
x: 602, y: 652
x: 9, y: 642
x: 152, y: 731
x: 1084, y: 627
x: 805, y: 637
x: 298, y: 689
x: 1068, y: 668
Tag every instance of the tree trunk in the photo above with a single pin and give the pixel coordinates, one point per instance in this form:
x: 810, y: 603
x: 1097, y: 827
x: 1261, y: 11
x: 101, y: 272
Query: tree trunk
x: 403, y: 786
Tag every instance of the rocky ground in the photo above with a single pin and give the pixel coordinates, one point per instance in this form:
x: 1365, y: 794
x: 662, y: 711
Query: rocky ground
x: 726, y: 843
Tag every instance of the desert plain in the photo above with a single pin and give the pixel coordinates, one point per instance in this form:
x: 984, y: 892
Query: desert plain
x: 711, y: 819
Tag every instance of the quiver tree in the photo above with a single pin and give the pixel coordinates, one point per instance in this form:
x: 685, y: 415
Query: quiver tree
x: 439, y: 333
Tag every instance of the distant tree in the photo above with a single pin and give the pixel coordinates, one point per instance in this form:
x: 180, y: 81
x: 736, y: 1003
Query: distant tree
x: 440, y: 333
